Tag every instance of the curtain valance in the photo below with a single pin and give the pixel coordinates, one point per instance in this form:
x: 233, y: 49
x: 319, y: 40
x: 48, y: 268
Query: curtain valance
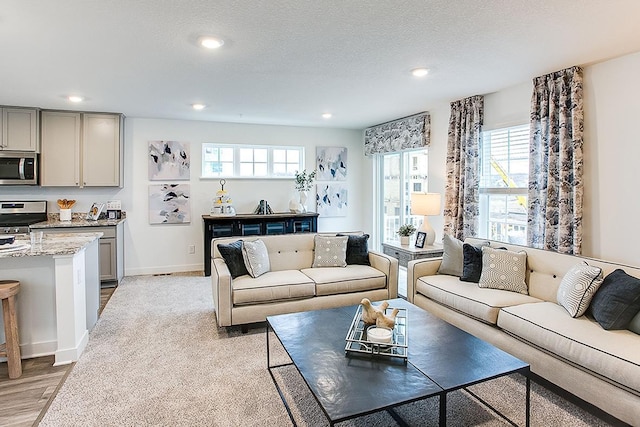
x: 408, y: 132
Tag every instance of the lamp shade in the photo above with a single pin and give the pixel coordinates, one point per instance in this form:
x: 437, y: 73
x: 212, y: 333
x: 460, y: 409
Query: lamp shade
x: 425, y: 203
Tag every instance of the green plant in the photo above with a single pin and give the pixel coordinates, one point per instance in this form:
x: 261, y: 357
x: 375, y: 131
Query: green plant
x: 304, y: 181
x: 406, y: 230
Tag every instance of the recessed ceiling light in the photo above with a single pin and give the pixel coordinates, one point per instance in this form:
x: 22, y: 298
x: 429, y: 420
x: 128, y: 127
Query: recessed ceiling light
x: 326, y: 115
x: 210, y: 42
x: 420, y: 72
x: 75, y: 98
x: 198, y: 106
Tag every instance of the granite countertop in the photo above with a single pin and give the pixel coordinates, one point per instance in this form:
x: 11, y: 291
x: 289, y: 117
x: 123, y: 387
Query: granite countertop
x: 78, y: 219
x: 52, y: 244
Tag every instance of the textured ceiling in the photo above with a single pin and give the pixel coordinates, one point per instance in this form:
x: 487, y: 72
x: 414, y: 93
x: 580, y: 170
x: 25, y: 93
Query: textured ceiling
x: 288, y: 61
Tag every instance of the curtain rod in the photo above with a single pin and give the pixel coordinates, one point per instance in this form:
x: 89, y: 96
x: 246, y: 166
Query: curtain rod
x: 395, y: 120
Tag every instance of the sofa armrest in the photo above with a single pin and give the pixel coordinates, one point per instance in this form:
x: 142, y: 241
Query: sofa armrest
x: 221, y: 287
x: 418, y: 268
x: 389, y: 266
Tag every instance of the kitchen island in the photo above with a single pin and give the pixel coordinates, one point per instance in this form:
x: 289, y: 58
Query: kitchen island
x: 59, y: 292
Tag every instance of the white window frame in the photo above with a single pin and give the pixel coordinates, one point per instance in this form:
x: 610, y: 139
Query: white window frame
x: 290, y: 167
x: 487, y: 191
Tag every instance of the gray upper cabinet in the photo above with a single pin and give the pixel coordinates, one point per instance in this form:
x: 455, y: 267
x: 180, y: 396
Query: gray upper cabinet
x: 81, y: 149
x: 19, y: 129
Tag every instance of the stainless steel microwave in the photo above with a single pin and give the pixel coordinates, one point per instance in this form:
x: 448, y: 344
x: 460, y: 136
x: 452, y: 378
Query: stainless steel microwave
x: 18, y: 168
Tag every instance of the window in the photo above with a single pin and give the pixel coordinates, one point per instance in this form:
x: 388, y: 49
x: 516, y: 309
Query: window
x: 504, y: 181
x: 245, y: 161
x: 401, y: 173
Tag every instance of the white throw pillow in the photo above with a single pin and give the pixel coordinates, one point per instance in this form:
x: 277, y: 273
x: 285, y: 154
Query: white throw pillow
x: 451, y: 257
x: 578, y: 287
x: 330, y: 251
x: 503, y: 269
x: 256, y: 257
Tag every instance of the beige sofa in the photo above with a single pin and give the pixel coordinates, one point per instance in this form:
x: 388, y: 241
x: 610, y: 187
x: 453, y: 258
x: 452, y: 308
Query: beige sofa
x: 599, y: 366
x: 293, y: 285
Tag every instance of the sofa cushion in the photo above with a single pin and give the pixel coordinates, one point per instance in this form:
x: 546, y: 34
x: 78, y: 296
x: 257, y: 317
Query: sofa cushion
x: 353, y: 278
x: 614, y: 355
x: 617, y: 301
x: 272, y: 286
x: 330, y: 251
x: 504, y: 269
x: 472, y: 263
x: 482, y: 304
x: 452, y: 258
x: 232, y: 255
x: 577, y: 287
x: 256, y: 257
x: 357, y: 249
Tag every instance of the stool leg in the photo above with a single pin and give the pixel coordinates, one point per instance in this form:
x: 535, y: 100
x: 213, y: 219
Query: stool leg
x: 11, y: 332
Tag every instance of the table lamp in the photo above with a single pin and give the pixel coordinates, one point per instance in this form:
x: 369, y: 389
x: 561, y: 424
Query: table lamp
x: 426, y: 204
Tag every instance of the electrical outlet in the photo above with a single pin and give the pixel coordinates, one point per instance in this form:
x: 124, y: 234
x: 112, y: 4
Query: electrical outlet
x: 192, y: 249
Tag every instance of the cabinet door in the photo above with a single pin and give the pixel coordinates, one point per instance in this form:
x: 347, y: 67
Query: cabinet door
x: 20, y: 129
x: 101, y: 150
x: 60, y: 159
x: 108, y: 259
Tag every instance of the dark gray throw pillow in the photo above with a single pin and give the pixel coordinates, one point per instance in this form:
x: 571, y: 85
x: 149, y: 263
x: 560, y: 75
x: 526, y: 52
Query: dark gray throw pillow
x: 617, y: 301
x: 357, y: 249
x: 232, y: 255
x: 472, y: 263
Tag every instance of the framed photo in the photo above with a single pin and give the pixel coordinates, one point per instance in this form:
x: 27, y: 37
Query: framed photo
x: 420, y: 238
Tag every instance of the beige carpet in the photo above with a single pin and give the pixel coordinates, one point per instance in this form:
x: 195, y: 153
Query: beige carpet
x: 155, y: 357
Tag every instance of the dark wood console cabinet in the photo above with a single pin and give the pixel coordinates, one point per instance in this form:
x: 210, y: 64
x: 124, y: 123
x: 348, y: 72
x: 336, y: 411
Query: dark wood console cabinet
x: 254, y: 225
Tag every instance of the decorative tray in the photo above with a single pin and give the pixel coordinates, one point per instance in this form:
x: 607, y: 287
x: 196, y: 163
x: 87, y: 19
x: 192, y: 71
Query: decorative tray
x: 357, y: 342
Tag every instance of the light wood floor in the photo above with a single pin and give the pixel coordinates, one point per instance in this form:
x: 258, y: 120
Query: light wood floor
x: 23, y: 401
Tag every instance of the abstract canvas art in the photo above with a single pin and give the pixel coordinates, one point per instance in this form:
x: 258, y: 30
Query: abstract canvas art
x: 169, y: 204
x: 331, y: 163
x: 331, y: 199
x: 169, y: 161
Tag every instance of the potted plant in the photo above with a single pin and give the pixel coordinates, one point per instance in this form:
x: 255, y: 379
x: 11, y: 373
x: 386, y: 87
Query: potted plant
x: 405, y: 231
x: 304, y: 181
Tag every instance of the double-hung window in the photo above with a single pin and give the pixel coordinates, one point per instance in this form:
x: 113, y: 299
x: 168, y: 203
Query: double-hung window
x: 504, y: 181
x: 250, y: 161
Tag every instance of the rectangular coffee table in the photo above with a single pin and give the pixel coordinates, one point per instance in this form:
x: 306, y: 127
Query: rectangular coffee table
x: 442, y: 359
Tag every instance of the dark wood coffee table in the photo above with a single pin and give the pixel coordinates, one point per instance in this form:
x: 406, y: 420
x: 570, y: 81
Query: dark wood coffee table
x: 442, y: 359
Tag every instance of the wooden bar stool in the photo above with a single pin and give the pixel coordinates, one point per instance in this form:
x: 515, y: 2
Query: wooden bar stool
x: 11, y: 348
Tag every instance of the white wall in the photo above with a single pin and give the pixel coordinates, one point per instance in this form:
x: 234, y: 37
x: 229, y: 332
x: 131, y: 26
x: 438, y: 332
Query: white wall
x: 163, y: 248
x: 611, y: 153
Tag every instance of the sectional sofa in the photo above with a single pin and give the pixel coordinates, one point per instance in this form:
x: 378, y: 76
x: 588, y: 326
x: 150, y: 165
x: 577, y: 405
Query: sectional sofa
x: 599, y: 366
x: 292, y: 284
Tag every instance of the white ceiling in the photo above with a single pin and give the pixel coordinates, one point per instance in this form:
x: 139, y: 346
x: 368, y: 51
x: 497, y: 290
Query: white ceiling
x: 288, y: 61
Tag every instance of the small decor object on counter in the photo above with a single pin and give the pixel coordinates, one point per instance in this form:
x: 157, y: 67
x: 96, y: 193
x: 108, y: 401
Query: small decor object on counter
x: 36, y: 240
x: 95, y: 210
x: 370, y: 312
x: 222, y: 204
x: 405, y: 231
x: 263, y: 208
x: 114, y: 209
x: 65, y: 206
x: 304, y: 182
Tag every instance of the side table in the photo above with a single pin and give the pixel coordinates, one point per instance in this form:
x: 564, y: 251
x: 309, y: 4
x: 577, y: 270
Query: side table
x: 406, y: 253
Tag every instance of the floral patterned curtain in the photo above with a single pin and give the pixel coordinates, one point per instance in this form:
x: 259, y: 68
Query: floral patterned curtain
x: 555, y: 165
x: 398, y: 135
x: 463, y: 167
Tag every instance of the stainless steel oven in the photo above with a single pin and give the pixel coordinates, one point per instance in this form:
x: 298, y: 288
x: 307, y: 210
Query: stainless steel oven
x: 18, y: 168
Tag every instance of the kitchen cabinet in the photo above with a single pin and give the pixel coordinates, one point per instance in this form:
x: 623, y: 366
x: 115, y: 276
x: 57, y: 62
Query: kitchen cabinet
x: 19, y: 129
x: 111, y: 249
x: 81, y: 149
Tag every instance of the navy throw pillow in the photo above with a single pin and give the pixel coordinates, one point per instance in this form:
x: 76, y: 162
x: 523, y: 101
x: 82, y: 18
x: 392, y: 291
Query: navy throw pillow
x: 232, y: 255
x: 471, y: 263
x: 617, y: 301
x: 357, y: 249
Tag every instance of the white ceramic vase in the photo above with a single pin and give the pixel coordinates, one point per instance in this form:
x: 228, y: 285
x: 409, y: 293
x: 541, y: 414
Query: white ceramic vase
x: 404, y: 240
x: 303, y: 200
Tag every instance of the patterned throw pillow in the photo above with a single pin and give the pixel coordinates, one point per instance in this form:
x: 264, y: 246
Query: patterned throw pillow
x: 256, y: 257
x: 330, y: 251
x: 503, y: 269
x: 578, y: 287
